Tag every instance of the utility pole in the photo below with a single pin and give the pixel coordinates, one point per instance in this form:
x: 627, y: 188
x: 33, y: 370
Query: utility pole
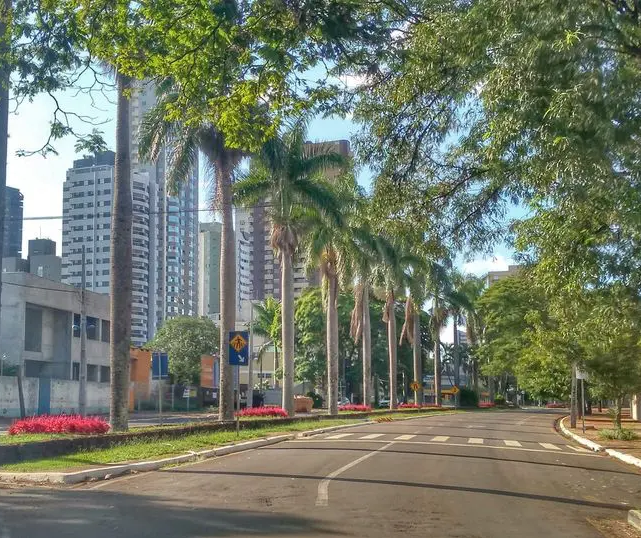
x: 250, y: 364
x: 82, y: 395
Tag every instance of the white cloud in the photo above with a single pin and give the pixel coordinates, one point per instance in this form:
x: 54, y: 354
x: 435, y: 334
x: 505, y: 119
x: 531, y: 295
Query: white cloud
x: 482, y: 266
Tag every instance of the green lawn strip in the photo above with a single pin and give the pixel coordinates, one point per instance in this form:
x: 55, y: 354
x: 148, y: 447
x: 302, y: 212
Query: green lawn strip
x: 150, y: 448
x: 33, y: 438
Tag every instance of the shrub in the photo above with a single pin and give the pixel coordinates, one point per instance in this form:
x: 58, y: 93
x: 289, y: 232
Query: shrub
x: 619, y: 434
x: 355, y: 407
x: 59, y: 424
x: 468, y: 397
x: 262, y: 412
x: 556, y: 405
x: 318, y: 399
x: 485, y: 405
x: 499, y: 399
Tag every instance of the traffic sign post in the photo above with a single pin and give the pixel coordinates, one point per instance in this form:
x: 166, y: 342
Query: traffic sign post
x: 238, y: 356
x: 415, y: 386
x: 159, y: 370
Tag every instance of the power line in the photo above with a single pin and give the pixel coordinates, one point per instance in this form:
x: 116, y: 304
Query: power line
x: 135, y: 212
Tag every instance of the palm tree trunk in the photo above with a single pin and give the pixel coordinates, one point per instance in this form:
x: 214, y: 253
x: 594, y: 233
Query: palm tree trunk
x: 391, y: 343
x: 418, y: 363
x: 121, y: 265
x: 332, y: 345
x: 367, y: 349
x: 287, y: 288
x: 5, y: 79
x: 438, y: 400
x: 457, y: 355
x: 227, y: 285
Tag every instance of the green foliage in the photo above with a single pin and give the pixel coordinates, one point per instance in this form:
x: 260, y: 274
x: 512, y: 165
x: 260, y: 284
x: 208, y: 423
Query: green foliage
x: 499, y: 399
x: 468, y: 397
x: 318, y: 400
x: 185, y: 339
x: 618, y: 434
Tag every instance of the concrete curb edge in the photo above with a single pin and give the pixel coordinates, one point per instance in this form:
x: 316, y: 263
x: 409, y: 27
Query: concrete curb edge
x: 581, y: 440
x: 634, y: 519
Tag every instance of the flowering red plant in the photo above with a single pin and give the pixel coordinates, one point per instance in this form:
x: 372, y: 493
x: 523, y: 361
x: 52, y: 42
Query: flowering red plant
x: 59, y: 424
x: 262, y: 412
x: 354, y: 407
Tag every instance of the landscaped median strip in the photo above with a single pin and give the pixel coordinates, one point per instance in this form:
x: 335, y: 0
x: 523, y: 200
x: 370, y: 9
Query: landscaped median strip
x: 107, y: 470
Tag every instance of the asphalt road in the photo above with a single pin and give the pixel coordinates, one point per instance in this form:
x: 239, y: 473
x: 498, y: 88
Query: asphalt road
x: 468, y: 475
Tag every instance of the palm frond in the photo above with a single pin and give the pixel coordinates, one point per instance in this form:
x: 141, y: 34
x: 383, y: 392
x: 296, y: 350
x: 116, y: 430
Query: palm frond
x: 253, y: 186
x: 322, y: 162
x: 183, y: 160
x: 155, y: 129
x: 320, y: 197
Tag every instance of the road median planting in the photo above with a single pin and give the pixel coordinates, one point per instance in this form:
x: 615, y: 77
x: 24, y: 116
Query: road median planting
x: 156, y: 445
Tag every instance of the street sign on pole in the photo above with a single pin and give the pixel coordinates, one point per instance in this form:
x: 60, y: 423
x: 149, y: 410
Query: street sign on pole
x: 238, y: 348
x: 159, y: 365
x: 414, y: 386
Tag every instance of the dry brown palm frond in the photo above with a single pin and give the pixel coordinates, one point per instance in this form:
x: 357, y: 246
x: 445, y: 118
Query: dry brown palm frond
x: 407, y: 332
x: 356, y: 322
x: 388, y: 309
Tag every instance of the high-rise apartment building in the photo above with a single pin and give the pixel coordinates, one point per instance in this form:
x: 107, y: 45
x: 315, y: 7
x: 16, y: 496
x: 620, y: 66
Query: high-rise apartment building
x: 43, y: 261
x: 209, y: 238
x: 164, y: 232
x: 12, y: 234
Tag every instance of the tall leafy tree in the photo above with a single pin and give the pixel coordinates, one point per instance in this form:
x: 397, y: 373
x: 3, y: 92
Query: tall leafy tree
x: 186, y: 339
x: 267, y: 323
x: 285, y: 173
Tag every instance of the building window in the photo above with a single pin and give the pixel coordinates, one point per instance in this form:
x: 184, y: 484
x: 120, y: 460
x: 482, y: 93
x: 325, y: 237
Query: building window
x: 76, y: 325
x: 92, y: 328
x: 105, y: 331
x: 33, y: 329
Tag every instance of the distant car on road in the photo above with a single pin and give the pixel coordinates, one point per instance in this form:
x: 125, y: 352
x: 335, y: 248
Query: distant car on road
x: 384, y: 402
x: 344, y: 401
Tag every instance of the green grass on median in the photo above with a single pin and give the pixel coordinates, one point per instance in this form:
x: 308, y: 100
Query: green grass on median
x: 150, y: 448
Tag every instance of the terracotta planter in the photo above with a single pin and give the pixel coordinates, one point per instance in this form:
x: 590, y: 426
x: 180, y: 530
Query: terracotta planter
x: 303, y: 404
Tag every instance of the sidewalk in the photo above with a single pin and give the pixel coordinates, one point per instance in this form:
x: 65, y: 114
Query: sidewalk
x: 602, y: 421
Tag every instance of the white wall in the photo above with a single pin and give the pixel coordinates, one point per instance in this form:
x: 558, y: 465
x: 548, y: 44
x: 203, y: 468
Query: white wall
x: 64, y: 397
x: 9, y: 402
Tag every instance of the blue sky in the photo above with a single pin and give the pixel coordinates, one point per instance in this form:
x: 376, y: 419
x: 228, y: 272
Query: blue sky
x: 41, y: 179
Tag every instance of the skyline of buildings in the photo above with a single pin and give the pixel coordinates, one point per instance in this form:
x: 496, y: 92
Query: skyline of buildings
x: 13, y: 215
x: 164, y: 230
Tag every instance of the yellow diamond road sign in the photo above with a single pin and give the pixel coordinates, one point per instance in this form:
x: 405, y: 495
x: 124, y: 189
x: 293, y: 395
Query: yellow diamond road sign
x: 455, y: 390
x: 238, y: 342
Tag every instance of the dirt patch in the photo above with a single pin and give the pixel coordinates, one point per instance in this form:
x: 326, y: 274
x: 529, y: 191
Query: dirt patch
x: 614, y: 528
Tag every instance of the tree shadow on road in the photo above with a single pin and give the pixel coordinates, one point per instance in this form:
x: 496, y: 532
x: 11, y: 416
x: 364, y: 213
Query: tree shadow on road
x: 47, y: 513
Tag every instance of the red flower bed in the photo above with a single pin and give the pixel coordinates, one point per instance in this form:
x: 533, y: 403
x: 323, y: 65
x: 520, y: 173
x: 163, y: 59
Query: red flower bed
x: 59, y: 424
x: 354, y: 407
x: 483, y: 405
x: 415, y: 406
x: 262, y: 412
x: 556, y: 406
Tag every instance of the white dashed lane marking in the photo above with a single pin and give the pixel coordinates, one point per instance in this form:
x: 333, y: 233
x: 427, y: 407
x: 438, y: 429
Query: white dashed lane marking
x: 404, y: 437
x: 440, y: 438
x: 475, y: 441
x: 372, y: 436
x: 577, y: 448
x: 508, y: 442
x: 549, y: 446
x: 339, y: 436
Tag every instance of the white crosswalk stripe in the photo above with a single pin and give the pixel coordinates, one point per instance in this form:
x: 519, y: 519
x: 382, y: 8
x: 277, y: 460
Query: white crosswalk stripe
x: 440, y: 438
x: 372, y: 436
x: 339, y: 436
x: 577, y: 448
x: 549, y: 446
x: 511, y: 443
x: 475, y: 441
x: 404, y: 437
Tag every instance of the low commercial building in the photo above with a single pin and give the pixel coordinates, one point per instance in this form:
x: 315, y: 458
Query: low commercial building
x: 40, y: 329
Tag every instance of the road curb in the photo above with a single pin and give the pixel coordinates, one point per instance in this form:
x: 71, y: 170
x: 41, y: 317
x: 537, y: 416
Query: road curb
x: 626, y: 458
x: 581, y: 440
x: 634, y: 519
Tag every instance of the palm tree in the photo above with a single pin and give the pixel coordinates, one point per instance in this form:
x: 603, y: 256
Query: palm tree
x: 285, y: 173
x: 121, y: 264
x: 469, y: 288
x: 389, y: 279
x: 333, y: 248
x: 438, y: 287
x: 267, y: 323
x: 187, y: 139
